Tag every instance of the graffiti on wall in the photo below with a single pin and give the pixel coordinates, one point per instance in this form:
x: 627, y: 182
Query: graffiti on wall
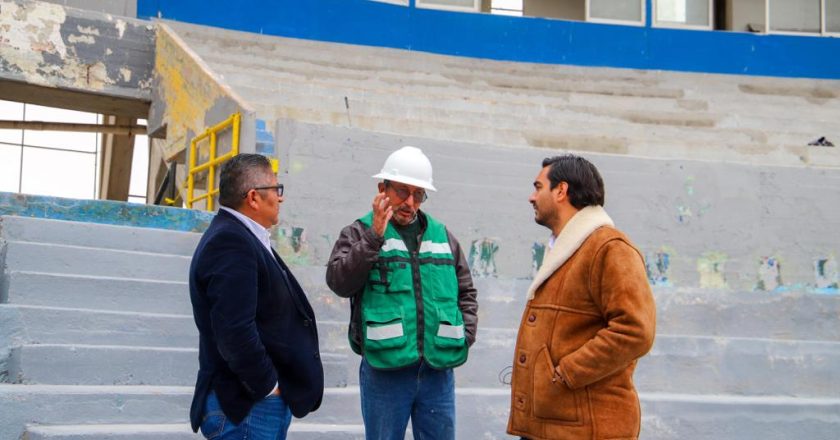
x: 826, y: 274
x: 688, y: 207
x: 537, y: 257
x: 482, y: 259
x: 769, y: 274
x: 711, y: 266
x: 292, y: 244
x: 658, y: 267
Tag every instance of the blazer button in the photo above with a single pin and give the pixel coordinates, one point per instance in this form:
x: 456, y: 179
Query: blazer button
x: 522, y: 359
x: 317, y: 356
x: 306, y: 323
x: 532, y: 318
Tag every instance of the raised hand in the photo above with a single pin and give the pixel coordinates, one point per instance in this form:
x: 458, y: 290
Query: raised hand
x: 382, y: 213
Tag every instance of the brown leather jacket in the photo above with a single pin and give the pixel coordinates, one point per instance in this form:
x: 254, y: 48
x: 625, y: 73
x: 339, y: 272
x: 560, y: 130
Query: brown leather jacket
x: 578, y: 343
x: 353, y: 256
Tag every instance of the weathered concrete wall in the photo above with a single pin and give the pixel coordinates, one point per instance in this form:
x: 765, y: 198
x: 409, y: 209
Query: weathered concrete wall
x: 104, y: 212
x: 700, y: 224
x: 189, y: 98
x: 50, y: 45
x: 125, y: 8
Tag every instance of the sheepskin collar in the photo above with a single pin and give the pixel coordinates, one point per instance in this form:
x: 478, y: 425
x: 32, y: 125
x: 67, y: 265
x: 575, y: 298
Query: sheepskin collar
x: 580, y: 226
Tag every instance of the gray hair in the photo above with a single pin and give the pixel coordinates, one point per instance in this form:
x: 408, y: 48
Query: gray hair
x: 239, y: 175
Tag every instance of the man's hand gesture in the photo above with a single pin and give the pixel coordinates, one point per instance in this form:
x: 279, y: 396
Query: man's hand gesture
x: 382, y: 213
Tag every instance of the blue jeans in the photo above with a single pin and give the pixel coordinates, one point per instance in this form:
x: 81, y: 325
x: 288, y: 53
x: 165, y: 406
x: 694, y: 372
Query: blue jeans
x: 390, y: 397
x: 268, y: 419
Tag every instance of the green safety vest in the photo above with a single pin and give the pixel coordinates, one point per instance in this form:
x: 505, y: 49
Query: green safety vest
x: 401, y: 283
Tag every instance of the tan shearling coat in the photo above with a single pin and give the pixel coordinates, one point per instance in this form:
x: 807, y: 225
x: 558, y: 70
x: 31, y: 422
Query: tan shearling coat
x: 590, y: 317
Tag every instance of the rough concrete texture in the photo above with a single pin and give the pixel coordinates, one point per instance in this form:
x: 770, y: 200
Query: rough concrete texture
x: 650, y: 114
x: 189, y: 98
x: 700, y: 224
x: 103, y: 212
x: 56, y: 46
x: 726, y: 364
x: 126, y: 8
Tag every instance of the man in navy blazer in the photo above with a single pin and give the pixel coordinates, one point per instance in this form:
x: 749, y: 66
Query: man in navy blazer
x: 258, y: 344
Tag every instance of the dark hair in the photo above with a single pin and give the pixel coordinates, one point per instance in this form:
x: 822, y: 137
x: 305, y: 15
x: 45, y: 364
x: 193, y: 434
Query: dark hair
x: 239, y: 174
x: 586, y: 187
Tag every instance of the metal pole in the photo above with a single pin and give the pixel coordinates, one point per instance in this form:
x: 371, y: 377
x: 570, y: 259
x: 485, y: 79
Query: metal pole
x: 74, y: 127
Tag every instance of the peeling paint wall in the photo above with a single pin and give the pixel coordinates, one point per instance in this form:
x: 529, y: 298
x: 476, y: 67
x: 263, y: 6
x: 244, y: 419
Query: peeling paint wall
x: 50, y: 45
x: 188, y: 98
x: 104, y: 212
x: 748, y: 223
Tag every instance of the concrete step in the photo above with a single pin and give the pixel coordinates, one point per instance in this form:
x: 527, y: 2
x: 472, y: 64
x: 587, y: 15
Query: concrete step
x: 294, y: 69
x: 789, y: 315
x: 82, y: 260
x: 378, y: 59
x: 62, y: 325
x: 692, y: 364
x: 740, y: 366
x: 498, y: 115
x: 126, y: 365
x: 24, y: 324
x: 694, y: 312
x: 80, y: 337
x: 669, y: 416
x: 155, y: 405
x: 98, y: 292
x: 481, y: 413
x: 123, y: 238
x: 299, y: 429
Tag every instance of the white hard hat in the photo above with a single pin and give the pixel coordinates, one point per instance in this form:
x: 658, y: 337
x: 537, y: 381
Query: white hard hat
x: 410, y: 166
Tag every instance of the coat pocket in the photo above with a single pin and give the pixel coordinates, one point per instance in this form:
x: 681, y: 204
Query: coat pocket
x: 384, y: 330
x: 552, y: 398
x: 450, y: 332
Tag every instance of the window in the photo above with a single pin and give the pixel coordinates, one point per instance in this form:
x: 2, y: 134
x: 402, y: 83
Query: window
x: 616, y: 11
x: 506, y: 7
x: 55, y: 163
x: 396, y: 2
x: 683, y: 13
x: 832, y: 16
x: 795, y: 16
x: 454, y: 5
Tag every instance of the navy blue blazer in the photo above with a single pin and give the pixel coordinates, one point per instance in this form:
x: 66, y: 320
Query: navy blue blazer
x: 256, y: 327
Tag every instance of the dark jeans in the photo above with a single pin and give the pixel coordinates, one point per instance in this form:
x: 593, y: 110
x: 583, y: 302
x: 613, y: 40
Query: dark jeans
x: 268, y: 419
x: 420, y: 392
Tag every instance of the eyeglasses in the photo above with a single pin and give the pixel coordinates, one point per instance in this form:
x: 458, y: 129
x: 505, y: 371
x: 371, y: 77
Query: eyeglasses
x: 278, y: 188
x: 420, y: 195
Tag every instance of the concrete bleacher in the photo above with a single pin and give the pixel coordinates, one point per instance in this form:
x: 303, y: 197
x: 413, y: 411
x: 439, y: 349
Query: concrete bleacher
x: 754, y: 120
x: 94, y: 345
x: 96, y: 334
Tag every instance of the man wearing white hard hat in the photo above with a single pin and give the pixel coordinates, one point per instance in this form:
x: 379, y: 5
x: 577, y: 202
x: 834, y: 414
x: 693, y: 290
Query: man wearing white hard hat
x: 413, y: 304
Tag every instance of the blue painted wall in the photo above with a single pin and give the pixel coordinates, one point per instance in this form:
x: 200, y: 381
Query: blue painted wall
x: 514, y: 38
x: 105, y: 212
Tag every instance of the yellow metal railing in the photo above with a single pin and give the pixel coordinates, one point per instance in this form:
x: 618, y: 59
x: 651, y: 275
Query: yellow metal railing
x: 213, y: 162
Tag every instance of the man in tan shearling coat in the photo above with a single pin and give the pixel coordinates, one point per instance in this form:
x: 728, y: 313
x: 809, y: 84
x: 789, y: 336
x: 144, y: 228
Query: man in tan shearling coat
x: 590, y: 315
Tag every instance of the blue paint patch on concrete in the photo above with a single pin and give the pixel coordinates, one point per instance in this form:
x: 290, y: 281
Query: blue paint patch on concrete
x: 537, y: 257
x: 265, y: 140
x: 657, y: 266
x: 526, y: 39
x: 105, y: 212
x: 482, y: 258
